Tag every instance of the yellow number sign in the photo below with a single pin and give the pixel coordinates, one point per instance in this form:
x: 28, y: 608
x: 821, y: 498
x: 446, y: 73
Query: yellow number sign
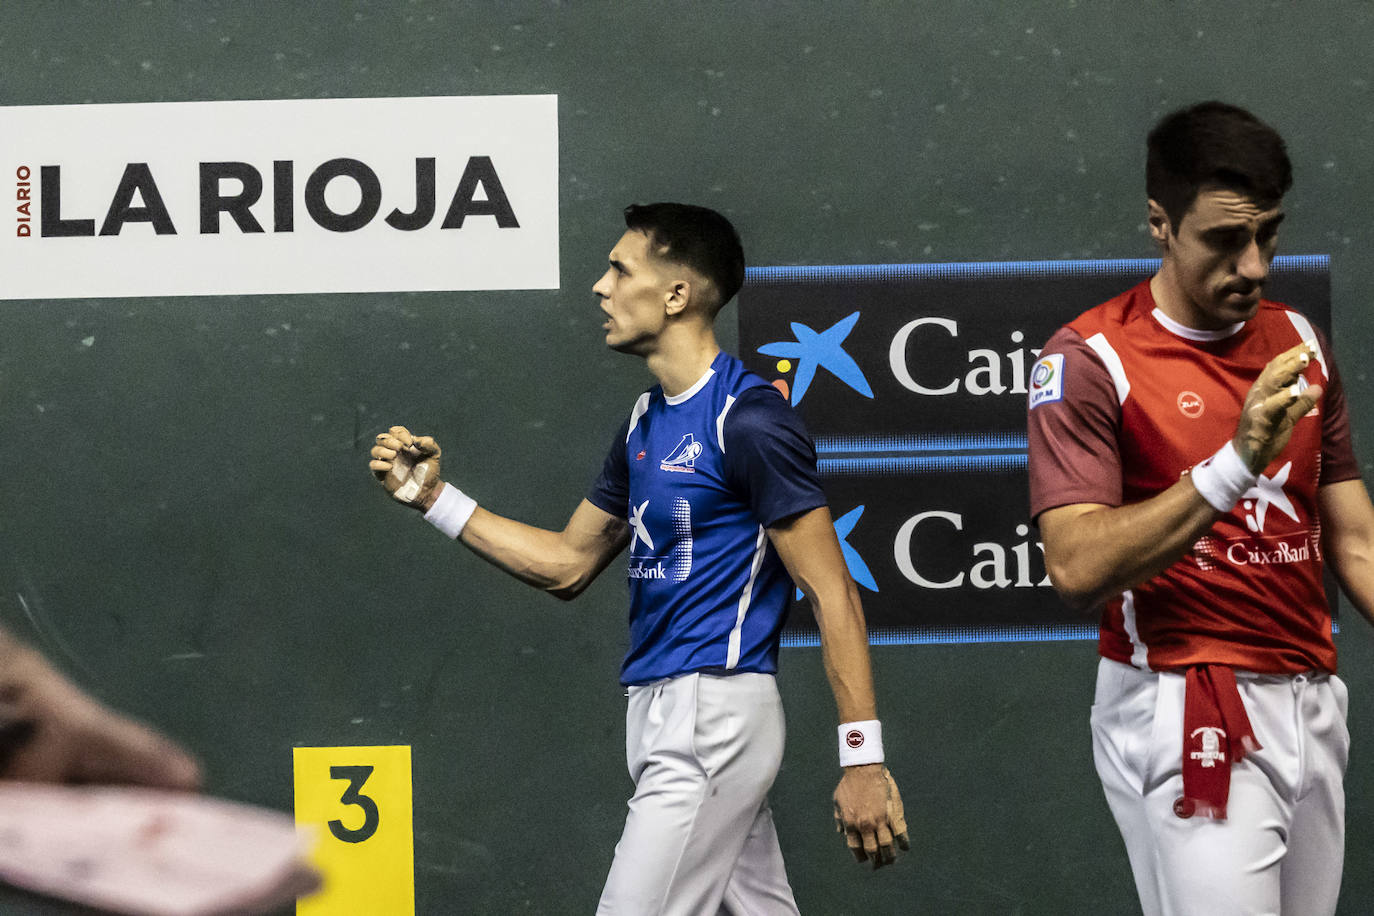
x: 357, y: 802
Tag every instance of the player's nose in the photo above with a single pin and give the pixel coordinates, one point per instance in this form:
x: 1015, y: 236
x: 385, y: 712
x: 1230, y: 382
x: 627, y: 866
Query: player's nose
x: 602, y: 287
x: 1253, y: 264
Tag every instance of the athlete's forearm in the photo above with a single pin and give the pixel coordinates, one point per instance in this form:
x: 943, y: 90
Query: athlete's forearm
x: 809, y: 549
x: 1093, y: 553
x: 562, y: 563
x: 844, y: 652
x: 530, y: 554
x: 1348, y: 540
x: 1354, y: 569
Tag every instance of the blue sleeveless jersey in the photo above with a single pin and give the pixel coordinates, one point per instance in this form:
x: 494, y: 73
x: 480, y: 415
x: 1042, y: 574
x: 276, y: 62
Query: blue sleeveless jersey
x: 699, y: 477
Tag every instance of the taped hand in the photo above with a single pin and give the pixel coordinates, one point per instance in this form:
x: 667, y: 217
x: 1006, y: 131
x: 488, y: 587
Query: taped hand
x: 408, y: 466
x: 869, y: 812
x: 1277, y: 400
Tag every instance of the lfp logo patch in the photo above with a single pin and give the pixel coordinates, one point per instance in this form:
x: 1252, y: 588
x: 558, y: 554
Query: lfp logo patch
x: 1047, y: 380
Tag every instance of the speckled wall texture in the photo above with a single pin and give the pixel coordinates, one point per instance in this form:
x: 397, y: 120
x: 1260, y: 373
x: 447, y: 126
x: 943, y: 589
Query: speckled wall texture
x: 188, y: 527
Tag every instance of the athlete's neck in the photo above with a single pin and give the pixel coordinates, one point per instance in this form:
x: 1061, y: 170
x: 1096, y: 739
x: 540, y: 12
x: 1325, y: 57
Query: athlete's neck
x: 682, y: 359
x: 1166, y: 295
x: 1173, y: 301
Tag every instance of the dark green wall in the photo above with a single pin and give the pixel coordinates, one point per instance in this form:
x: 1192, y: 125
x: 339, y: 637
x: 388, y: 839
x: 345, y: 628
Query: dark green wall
x: 187, y: 525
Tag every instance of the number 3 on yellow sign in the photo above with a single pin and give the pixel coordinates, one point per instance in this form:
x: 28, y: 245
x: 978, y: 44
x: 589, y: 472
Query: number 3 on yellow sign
x: 357, y: 801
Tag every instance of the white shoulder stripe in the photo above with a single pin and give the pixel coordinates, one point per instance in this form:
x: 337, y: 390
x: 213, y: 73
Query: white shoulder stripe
x: 1304, y: 328
x: 720, y: 421
x: 640, y: 407
x: 1113, y: 362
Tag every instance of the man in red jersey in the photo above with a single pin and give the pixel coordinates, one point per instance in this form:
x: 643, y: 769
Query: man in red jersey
x: 1191, y: 468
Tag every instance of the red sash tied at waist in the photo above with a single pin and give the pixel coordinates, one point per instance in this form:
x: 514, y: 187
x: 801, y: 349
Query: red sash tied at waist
x: 1216, y: 735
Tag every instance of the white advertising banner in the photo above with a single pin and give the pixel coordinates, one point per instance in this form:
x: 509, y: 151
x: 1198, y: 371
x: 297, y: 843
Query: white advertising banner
x: 288, y: 196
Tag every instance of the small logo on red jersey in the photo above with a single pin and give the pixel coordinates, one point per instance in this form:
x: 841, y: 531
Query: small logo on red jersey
x: 854, y: 738
x: 1047, y: 380
x: 1190, y: 404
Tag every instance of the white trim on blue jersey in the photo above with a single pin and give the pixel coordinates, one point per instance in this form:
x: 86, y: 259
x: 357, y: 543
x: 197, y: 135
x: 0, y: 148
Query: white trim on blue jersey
x: 707, y: 590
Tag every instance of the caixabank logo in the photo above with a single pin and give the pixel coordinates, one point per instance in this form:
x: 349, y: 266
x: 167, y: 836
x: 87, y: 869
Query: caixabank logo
x: 913, y: 381
x: 329, y: 195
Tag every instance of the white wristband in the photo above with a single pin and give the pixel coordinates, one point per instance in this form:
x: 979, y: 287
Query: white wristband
x: 861, y: 742
x: 1223, y: 478
x: 451, y: 510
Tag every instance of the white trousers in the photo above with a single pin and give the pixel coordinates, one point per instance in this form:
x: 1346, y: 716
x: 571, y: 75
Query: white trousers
x: 1281, y: 848
x: 699, y: 838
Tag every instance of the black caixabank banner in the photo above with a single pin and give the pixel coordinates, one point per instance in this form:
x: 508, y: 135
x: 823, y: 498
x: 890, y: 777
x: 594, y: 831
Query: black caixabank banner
x: 912, y: 380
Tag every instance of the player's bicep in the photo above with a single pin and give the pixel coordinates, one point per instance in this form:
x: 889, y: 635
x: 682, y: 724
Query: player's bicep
x: 807, y: 545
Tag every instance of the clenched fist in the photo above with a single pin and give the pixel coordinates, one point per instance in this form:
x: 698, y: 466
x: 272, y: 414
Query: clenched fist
x: 408, y: 466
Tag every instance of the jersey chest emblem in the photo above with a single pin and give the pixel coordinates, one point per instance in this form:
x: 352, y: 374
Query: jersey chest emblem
x: 682, y: 459
x: 1267, y: 492
x: 1190, y: 404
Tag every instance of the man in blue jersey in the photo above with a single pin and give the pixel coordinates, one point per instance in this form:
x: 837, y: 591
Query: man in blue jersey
x: 711, y: 482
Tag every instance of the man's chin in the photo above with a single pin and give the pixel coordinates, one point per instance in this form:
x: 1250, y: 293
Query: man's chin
x: 622, y: 346
x: 1235, y: 307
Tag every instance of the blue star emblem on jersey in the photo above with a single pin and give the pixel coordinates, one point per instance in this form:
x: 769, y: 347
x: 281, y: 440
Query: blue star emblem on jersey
x: 858, y: 569
x: 815, y: 350
x: 683, y: 457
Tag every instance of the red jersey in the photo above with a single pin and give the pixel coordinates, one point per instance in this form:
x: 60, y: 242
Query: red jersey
x: 1123, y: 401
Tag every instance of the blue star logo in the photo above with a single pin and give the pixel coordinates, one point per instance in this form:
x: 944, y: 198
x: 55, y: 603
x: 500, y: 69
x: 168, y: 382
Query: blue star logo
x: 814, y: 350
x: 858, y: 569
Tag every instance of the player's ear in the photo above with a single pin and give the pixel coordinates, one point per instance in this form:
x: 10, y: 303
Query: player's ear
x: 1158, y: 220
x: 678, y: 296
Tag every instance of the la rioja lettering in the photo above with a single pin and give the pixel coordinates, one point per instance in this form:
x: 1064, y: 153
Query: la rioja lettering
x: 233, y: 189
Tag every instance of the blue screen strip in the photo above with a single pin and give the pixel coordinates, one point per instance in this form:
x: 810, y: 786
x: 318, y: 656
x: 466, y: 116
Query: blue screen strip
x: 922, y: 465
x: 944, y: 636
x: 910, y: 636
x: 862, y: 455
x: 912, y: 445
x: 838, y: 273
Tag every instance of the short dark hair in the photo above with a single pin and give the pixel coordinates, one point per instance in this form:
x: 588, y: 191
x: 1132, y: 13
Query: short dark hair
x: 697, y: 237
x: 1213, y: 143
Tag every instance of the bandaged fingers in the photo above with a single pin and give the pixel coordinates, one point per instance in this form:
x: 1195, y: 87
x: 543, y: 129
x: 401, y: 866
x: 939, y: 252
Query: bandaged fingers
x: 872, y: 844
x: 387, y: 446
x: 1278, y: 399
x: 408, y: 466
x: 1288, y: 364
x: 896, y: 812
x: 425, y: 447
x: 1288, y: 404
x: 874, y: 825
